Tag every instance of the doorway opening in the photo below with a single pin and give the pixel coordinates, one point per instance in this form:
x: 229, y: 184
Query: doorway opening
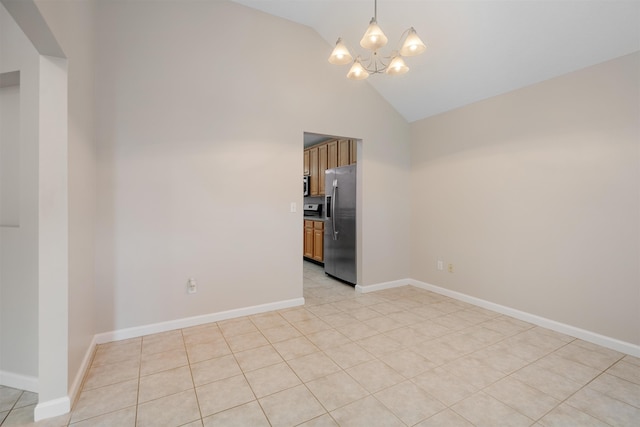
x: 330, y: 237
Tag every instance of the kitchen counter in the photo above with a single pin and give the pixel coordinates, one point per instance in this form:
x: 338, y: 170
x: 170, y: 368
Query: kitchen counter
x: 315, y: 218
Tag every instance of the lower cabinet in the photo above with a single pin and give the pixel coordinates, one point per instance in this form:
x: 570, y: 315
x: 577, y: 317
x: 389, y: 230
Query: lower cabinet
x: 313, y: 247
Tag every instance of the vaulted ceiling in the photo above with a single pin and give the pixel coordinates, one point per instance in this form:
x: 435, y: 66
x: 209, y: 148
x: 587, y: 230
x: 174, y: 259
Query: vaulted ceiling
x: 475, y: 49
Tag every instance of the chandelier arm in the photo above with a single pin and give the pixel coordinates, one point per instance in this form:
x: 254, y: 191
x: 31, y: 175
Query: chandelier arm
x: 402, y: 36
x: 373, y: 65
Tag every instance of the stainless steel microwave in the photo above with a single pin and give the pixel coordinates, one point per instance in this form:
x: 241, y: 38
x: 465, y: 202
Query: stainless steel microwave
x: 305, y: 181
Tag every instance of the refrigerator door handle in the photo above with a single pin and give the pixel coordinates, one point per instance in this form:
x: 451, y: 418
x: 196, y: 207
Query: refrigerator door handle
x: 333, y: 208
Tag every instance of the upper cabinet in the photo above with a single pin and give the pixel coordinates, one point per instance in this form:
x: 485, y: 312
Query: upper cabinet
x: 333, y: 154
x: 314, y: 172
x: 344, y: 152
x: 306, y: 169
x: 327, y: 155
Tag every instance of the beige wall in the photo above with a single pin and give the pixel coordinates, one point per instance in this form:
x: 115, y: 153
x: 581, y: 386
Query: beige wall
x: 534, y: 197
x: 200, y: 114
x: 19, y: 244
x: 73, y: 26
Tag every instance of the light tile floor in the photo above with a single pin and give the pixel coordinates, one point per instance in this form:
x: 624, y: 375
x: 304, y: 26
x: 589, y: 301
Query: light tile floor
x: 399, y: 357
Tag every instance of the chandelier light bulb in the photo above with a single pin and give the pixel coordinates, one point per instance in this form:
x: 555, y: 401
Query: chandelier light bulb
x: 376, y: 62
x: 340, y: 54
x: 357, y: 71
x: 412, y: 45
x: 397, y: 66
x: 373, y: 38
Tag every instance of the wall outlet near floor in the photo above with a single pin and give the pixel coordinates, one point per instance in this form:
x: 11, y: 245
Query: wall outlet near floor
x: 440, y: 264
x: 192, y: 286
x: 450, y: 268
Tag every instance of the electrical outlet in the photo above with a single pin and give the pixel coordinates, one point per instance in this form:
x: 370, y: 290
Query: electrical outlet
x: 450, y: 268
x: 294, y: 207
x: 192, y: 286
x: 440, y: 264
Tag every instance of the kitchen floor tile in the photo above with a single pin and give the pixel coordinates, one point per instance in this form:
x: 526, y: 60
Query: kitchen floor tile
x: 272, y: 379
x: 105, y: 399
x: 163, y: 342
x: 348, y: 355
x: 400, y: 356
x: 626, y: 371
x: 407, y: 363
x: 547, y: 382
x: 483, y: 410
x: 336, y: 390
x: 257, y: 358
x: 240, y: 326
x: 366, y: 412
x: 446, y: 418
x: 312, y: 366
x: 444, y: 386
x: 324, y: 420
x: 291, y: 407
x: 164, y: 383
x: 327, y: 339
x: 605, y: 408
x: 375, y: 375
x: 214, y: 369
x: 281, y: 333
x: 246, y: 341
x: 521, y: 397
x: 8, y: 397
x: 249, y: 414
x: 198, y: 352
x: 409, y: 402
x: 117, y: 351
x: 122, y: 418
x: 615, y: 387
x: 174, y: 410
x: 565, y: 415
x: 101, y: 375
x: 156, y: 362
x: 295, y: 347
x: 221, y: 395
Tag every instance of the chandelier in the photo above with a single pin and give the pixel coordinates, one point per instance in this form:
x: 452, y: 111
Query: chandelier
x: 375, y: 63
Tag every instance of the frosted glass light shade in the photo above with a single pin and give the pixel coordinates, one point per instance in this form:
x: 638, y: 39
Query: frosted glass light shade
x: 412, y: 44
x: 340, y: 54
x: 373, y: 38
x: 397, y: 66
x: 357, y: 72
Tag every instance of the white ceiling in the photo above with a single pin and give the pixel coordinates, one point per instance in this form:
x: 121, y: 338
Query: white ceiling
x: 475, y: 49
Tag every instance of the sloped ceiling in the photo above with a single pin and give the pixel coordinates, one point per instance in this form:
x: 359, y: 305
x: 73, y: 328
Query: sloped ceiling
x: 476, y: 49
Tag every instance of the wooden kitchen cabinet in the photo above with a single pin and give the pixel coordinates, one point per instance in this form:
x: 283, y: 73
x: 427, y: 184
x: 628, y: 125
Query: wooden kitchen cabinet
x: 344, y: 152
x: 307, y: 250
x: 322, y: 167
x: 314, y: 172
x: 313, y: 247
x: 326, y: 155
x: 306, y: 169
x: 332, y: 154
x: 318, y: 241
x: 353, y: 152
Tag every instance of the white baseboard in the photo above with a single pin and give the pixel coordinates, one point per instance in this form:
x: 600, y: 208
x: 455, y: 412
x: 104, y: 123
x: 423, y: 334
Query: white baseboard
x: 155, y: 328
x: 52, y: 408
x: 592, y: 337
x: 75, y: 387
x: 381, y: 286
x: 22, y: 382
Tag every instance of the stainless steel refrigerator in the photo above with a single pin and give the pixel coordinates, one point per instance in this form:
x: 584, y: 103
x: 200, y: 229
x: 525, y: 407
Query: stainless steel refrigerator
x: 340, y: 224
